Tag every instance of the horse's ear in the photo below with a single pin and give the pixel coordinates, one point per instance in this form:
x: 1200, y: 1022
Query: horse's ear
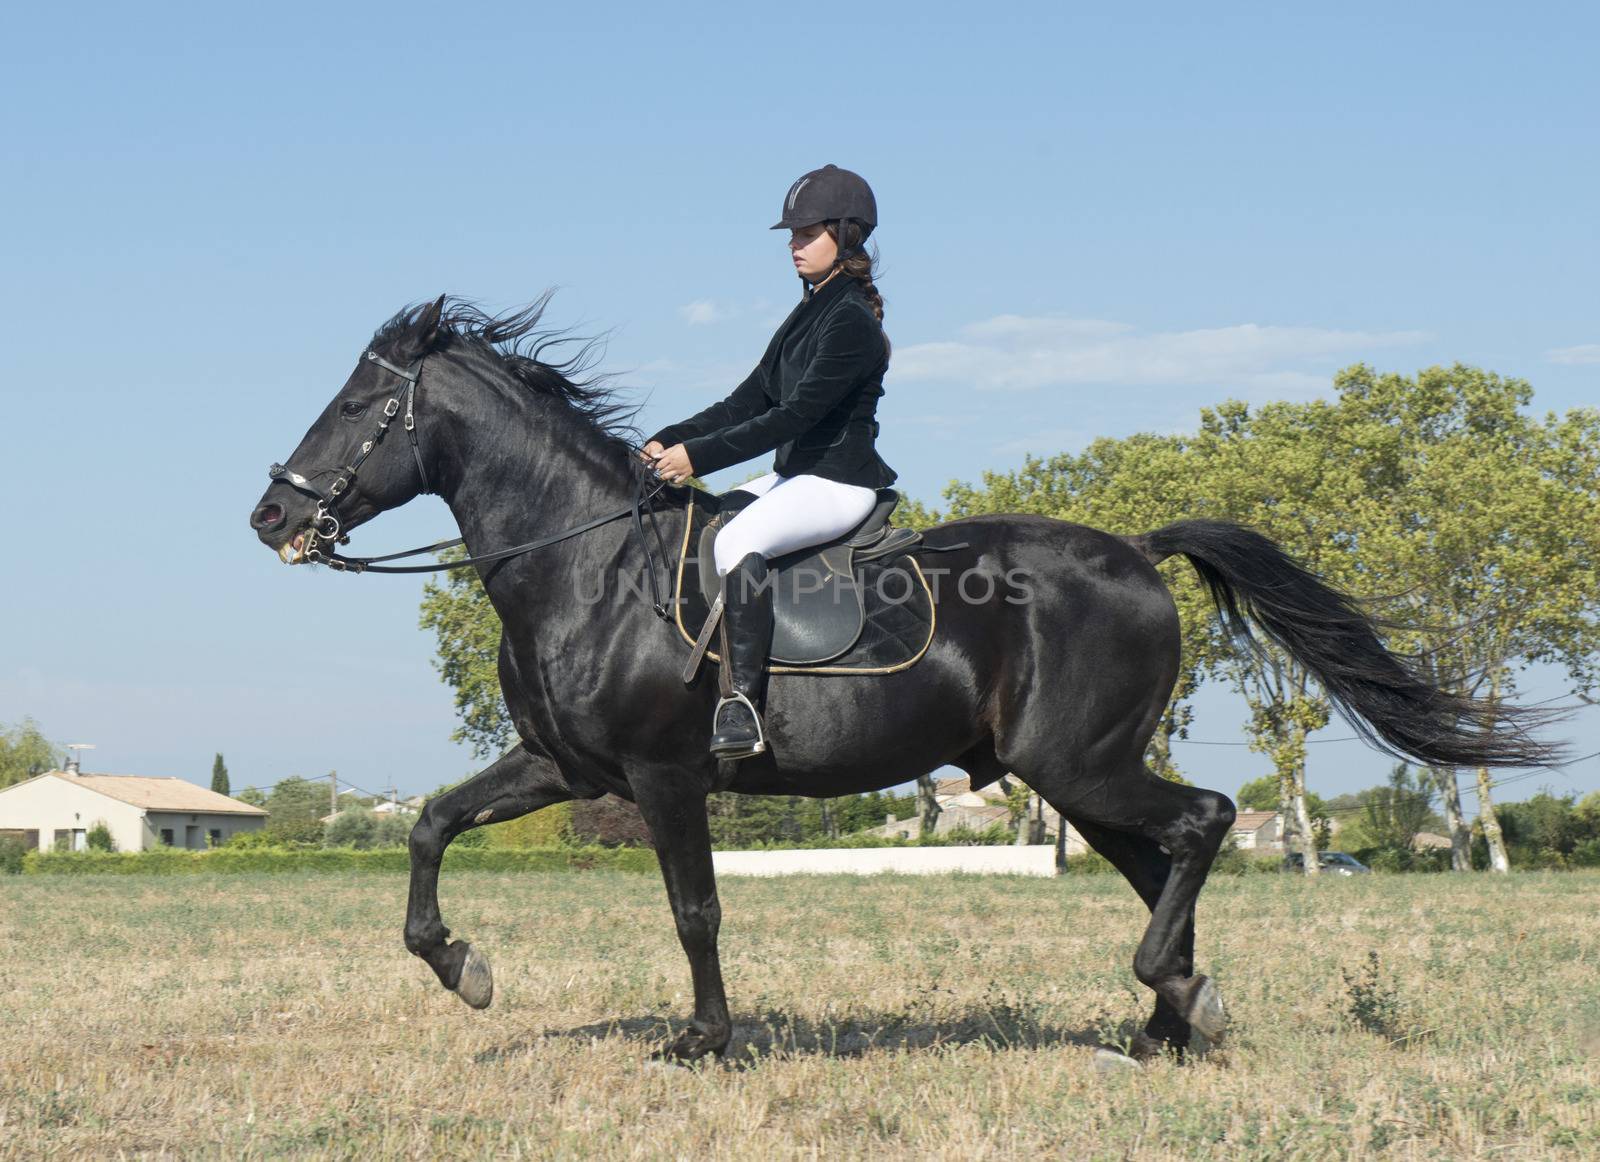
x: 426, y: 330
x: 428, y: 324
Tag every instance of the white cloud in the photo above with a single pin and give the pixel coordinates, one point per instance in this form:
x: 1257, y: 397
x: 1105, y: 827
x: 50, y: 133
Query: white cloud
x: 1015, y: 352
x: 1581, y: 354
x: 703, y: 311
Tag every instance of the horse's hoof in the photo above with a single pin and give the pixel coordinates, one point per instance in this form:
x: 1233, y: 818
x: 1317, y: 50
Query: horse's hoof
x: 1110, y: 1061
x: 476, y: 985
x: 691, y: 1045
x: 1207, y: 1015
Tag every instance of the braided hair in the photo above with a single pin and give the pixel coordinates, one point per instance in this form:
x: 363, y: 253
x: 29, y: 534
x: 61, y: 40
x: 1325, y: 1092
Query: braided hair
x: 862, y: 267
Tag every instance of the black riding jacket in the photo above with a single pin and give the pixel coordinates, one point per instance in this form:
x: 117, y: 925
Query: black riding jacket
x: 813, y: 396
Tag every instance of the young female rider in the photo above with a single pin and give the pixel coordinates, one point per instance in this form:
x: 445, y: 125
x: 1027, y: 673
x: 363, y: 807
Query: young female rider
x: 812, y: 397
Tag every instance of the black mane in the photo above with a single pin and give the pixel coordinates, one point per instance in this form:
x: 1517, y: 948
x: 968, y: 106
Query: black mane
x: 518, y: 345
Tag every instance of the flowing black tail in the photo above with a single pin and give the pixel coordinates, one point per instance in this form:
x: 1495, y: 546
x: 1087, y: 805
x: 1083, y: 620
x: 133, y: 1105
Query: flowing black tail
x: 1384, y: 697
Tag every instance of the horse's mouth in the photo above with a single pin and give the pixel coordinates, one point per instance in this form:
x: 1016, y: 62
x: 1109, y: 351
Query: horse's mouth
x: 296, y: 549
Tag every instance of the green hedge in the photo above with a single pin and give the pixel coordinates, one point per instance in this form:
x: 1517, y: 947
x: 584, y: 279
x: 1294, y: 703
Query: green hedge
x: 169, y: 861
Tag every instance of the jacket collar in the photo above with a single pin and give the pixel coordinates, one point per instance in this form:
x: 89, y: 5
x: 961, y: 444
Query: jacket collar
x: 824, y: 293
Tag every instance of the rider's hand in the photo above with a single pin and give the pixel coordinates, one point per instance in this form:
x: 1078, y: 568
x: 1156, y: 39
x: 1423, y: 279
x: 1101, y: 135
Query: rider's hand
x: 651, y: 450
x: 674, y: 464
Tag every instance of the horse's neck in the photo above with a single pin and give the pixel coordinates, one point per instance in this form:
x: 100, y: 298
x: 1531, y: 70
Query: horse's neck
x: 521, y: 467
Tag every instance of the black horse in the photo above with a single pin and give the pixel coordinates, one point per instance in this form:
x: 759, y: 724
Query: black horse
x: 1063, y: 691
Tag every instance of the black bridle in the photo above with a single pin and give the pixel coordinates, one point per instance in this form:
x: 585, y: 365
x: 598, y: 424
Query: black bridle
x: 325, y: 524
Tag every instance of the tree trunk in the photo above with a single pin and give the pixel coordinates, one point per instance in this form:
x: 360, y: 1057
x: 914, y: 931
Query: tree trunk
x: 1061, y: 847
x: 1498, y: 860
x: 1450, y: 804
x: 1292, y: 804
x: 1024, y: 834
x: 928, y: 808
x: 1302, y: 820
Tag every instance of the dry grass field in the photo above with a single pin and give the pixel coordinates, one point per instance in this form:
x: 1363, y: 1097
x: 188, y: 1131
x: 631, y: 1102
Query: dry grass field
x: 273, y: 1016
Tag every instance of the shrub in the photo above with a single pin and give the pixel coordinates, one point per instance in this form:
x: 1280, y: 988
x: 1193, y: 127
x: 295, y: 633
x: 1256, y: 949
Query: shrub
x: 1372, y: 1002
x: 262, y: 858
x: 1232, y: 861
x: 1089, y: 863
x: 1404, y: 859
x: 1386, y: 859
x: 99, y: 837
x: 394, y: 829
x: 249, y: 840
x: 1586, y: 853
x: 550, y: 827
x: 364, y: 828
x: 12, y: 850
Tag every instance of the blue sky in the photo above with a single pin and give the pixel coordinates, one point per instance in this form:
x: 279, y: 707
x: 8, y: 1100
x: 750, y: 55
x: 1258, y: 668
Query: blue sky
x: 1095, y: 220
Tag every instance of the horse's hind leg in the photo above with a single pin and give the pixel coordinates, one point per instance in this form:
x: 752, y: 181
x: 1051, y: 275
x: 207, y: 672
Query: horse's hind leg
x: 1190, y: 823
x: 518, y: 782
x: 1146, y: 867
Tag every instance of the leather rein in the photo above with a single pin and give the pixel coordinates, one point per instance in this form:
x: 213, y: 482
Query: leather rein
x: 325, y: 525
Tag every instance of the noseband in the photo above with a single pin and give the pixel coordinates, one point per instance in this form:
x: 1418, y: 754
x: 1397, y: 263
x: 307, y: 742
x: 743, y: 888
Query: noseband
x: 325, y: 525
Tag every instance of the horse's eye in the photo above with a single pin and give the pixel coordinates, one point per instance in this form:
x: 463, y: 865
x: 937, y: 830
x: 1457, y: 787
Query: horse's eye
x: 352, y: 409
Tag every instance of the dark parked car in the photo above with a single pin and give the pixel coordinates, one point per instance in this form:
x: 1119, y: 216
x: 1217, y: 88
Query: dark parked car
x: 1340, y: 863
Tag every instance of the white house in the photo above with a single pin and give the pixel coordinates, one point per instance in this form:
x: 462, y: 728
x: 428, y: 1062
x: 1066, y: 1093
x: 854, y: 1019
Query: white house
x: 1258, y: 831
x: 55, y: 810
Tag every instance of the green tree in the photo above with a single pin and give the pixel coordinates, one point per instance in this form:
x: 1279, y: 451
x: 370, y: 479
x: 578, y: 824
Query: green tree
x: 739, y: 821
x: 296, y: 808
x: 1393, y: 815
x: 219, y: 775
x: 1258, y: 794
x: 457, y: 609
x: 1381, y: 490
x: 362, y: 827
x: 25, y: 753
x: 1497, y: 545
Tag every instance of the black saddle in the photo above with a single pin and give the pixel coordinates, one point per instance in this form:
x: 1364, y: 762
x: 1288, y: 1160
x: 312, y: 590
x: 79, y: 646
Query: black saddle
x: 834, y: 607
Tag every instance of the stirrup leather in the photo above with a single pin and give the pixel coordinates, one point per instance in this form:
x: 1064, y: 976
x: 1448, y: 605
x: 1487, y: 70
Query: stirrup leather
x: 760, y: 743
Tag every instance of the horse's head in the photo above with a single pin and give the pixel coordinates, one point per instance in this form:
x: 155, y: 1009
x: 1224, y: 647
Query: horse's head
x: 361, y: 456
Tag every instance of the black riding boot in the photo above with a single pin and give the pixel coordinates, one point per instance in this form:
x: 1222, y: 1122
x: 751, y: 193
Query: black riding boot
x: 746, y: 640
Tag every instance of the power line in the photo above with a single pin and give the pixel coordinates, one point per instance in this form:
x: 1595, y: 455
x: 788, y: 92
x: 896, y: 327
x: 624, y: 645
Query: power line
x: 344, y: 782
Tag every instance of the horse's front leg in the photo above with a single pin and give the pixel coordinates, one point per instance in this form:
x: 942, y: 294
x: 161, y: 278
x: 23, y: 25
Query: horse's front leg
x: 677, y: 821
x: 518, y: 782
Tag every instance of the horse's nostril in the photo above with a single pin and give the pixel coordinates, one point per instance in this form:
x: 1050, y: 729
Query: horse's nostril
x: 266, y: 516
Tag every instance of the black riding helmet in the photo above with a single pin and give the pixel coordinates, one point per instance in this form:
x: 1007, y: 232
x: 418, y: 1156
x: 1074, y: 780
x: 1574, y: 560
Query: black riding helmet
x: 830, y: 194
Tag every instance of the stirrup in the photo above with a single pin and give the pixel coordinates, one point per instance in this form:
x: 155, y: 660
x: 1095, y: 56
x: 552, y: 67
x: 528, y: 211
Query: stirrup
x: 738, y: 750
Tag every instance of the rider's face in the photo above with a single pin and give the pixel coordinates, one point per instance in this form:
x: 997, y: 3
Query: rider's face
x: 814, y: 250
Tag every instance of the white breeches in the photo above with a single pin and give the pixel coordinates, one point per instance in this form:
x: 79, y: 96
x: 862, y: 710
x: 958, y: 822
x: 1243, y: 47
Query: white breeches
x: 791, y: 513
